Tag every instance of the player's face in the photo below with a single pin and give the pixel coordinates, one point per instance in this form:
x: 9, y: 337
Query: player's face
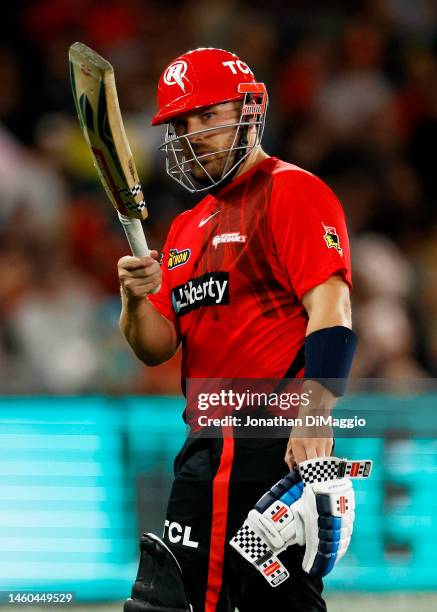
x: 211, y: 147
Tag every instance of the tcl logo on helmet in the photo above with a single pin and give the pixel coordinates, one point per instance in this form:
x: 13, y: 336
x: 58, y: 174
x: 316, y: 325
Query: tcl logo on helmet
x: 175, y: 74
x: 201, y: 77
x: 242, y: 67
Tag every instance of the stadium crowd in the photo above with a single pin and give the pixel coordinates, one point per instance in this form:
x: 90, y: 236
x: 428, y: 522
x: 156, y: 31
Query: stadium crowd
x: 353, y: 98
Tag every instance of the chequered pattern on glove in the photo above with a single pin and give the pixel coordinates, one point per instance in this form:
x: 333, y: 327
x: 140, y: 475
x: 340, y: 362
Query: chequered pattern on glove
x: 251, y: 543
x: 253, y: 548
x: 322, y: 469
x: 319, y: 470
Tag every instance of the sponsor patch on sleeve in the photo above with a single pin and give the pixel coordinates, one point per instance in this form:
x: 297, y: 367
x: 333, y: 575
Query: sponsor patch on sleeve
x: 332, y: 239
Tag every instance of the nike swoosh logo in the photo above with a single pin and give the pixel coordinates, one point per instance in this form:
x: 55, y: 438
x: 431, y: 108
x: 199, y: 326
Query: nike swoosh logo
x: 202, y: 223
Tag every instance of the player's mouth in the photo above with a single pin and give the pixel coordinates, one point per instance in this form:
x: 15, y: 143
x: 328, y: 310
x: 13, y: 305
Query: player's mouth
x: 204, y: 156
x: 204, y: 159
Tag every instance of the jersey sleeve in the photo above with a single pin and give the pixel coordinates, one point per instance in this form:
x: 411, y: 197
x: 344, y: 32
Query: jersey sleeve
x: 309, y: 231
x: 162, y: 300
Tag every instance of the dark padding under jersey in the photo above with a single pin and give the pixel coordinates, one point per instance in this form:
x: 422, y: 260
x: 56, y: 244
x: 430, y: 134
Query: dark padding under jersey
x: 329, y: 353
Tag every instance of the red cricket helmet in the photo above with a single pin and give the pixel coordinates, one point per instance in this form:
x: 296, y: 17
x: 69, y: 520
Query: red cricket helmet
x: 205, y: 77
x: 202, y: 77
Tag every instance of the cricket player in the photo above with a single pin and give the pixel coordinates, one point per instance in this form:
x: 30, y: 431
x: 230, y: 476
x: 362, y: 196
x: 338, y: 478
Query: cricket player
x: 255, y: 283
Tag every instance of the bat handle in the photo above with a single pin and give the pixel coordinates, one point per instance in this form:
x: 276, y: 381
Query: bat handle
x: 135, y: 235
x: 136, y: 238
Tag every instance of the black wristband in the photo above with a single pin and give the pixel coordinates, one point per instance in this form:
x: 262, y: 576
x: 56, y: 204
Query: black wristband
x: 328, y: 357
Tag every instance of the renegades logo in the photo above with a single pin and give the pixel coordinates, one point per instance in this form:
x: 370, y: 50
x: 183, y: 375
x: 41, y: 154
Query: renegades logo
x: 175, y: 74
x: 177, y: 258
x: 229, y: 237
x: 332, y: 240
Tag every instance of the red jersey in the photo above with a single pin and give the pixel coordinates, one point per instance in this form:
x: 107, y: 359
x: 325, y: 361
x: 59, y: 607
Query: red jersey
x: 235, y: 268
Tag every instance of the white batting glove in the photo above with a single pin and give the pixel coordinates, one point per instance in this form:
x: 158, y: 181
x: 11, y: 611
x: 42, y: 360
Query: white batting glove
x: 313, y: 507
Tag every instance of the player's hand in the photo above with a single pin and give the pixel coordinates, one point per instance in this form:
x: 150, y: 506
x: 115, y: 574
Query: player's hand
x: 302, y: 445
x: 139, y: 276
x: 314, y: 438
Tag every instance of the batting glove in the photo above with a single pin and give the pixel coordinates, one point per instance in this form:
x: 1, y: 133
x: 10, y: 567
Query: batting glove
x: 312, y: 506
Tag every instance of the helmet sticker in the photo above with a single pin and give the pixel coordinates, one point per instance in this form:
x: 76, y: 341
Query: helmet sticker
x: 242, y: 67
x: 175, y: 74
x: 257, y: 89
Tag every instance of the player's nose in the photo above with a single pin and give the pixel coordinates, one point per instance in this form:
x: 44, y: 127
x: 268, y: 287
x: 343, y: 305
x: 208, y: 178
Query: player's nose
x: 194, y: 125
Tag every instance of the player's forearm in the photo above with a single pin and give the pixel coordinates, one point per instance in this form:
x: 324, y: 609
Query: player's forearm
x: 151, y: 336
x: 329, y: 350
x: 328, y: 305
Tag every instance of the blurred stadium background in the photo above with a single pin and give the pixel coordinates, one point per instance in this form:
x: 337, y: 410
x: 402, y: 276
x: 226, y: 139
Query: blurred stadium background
x: 87, y: 434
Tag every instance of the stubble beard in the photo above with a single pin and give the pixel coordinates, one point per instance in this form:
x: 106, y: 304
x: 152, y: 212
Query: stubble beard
x: 215, y: 164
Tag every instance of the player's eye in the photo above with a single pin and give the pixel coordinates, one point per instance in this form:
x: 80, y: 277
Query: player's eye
x: 208, y: 115
x: 179, y: 125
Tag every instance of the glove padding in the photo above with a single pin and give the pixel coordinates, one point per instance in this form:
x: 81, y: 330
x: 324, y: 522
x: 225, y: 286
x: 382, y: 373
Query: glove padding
x: 313, y: 507
x: 268, y: 527
x: 327, y: 510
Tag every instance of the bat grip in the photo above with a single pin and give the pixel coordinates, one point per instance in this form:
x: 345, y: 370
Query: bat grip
x: 136, y: 238
x: 135, y: 235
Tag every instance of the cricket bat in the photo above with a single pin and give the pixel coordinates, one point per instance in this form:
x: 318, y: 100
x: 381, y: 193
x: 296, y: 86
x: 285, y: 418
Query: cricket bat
x: 95, y: 95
